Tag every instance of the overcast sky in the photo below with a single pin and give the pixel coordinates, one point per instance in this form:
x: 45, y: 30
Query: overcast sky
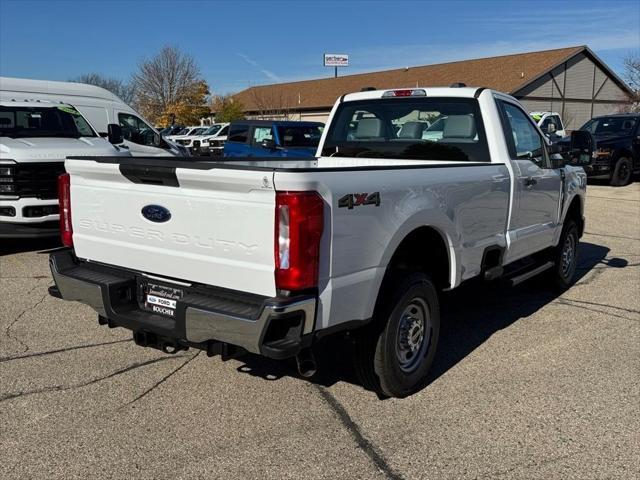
x: 238, y: 44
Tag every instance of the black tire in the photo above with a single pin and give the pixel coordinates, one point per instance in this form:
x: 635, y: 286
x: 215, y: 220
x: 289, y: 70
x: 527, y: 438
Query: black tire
x: 394, y: 353
x: 565, y: 257
x: 621, y: 175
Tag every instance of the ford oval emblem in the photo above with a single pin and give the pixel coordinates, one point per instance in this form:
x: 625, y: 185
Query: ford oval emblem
x: 156, y: 213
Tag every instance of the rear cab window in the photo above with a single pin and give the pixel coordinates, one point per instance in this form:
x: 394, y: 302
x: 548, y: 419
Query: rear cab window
x: 427, y: 128
x: 238, y: 133
x: 300, y: 135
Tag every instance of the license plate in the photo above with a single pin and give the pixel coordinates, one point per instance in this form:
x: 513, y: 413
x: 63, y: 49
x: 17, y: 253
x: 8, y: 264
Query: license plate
x: 161, y: 299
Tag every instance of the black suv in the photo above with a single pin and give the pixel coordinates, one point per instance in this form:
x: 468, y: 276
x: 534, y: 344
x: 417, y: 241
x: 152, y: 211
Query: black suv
x: 617, y: 147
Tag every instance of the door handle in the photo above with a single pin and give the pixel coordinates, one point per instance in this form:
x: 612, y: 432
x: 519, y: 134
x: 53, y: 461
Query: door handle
x: 530, y: 182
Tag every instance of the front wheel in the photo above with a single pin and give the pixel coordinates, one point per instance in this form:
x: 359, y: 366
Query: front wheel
x: 565, y: 257
x: 621, y: 173
x: 393, y: 354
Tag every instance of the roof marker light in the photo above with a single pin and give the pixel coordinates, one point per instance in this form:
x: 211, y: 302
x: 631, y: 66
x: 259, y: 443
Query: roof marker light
x: 410, y: 92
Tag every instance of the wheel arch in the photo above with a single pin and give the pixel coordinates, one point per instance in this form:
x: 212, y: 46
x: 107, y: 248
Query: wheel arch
x: 575, y: 213
x: 425, y: 248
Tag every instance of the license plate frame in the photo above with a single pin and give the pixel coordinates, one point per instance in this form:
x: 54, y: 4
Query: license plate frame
x: 160, y: 299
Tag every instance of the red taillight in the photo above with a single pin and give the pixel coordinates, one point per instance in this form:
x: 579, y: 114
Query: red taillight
x: 64, y: 200
x: 299, y: 223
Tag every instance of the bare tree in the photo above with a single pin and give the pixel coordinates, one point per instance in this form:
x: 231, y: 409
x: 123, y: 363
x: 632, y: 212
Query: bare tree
x: 119, y: 88
x: 632, y: 77
x: 272, y: 103
x: 169, y: 83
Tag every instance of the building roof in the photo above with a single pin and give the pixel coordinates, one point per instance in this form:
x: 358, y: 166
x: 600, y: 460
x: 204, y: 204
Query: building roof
x: 507, y: 73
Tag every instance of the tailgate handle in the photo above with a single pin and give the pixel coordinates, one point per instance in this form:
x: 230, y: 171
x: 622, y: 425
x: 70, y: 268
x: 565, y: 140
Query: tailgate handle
x: 150, y: 175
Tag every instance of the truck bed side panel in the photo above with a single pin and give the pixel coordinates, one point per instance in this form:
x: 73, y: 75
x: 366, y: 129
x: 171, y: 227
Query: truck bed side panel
x: 468, y: 205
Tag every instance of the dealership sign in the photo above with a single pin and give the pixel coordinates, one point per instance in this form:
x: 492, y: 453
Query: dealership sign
x: 336, y: 60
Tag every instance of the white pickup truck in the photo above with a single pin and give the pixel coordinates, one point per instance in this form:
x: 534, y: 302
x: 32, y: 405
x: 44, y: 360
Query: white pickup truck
x: 270, y: 255
x: 35, y: 138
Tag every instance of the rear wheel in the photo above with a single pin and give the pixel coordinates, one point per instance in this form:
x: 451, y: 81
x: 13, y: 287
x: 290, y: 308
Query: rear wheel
x: 393, y: 354
x: 621, y: 173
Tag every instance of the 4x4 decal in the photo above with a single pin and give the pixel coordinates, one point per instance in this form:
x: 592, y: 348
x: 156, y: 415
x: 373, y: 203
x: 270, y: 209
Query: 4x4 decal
x: 351, y: 200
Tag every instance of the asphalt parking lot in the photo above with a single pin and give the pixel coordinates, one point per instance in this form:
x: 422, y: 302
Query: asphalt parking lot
x: 525, y: 385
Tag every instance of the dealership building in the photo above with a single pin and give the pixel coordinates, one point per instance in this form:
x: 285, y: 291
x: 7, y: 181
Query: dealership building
x: 571, y: 81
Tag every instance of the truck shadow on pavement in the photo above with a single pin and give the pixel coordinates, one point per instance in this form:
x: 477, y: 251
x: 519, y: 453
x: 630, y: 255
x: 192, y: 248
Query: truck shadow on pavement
x: 13, y: 245
x: 469, y: 316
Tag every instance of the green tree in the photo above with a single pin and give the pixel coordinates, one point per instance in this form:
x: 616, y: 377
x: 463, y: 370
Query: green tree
x: 227, y: 109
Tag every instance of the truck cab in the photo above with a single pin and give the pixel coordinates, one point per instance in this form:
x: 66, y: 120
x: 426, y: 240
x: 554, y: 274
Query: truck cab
x: 266, y: 138
x: 35, y: 139
x: 100, y: 108
x: 617, y: 147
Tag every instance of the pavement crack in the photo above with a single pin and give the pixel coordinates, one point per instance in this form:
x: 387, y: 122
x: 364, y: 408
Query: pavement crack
x: 60, y: 350
x: 62, y: 388
x: 610, y: 236
x: 363, y: 443
x: 630, y: 310
x: 530, y: 464
x: 568, y: 303
x: 7, y: 331
x: 616, y: 199
x: 160, y: 382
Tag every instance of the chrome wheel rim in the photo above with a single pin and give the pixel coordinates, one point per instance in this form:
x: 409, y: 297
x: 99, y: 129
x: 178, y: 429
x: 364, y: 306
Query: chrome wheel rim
x: 568, y: 256
x: 413, y: 334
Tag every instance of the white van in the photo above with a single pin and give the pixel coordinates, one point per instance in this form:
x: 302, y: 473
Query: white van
x: 35, y: 138
x: 100, y: 107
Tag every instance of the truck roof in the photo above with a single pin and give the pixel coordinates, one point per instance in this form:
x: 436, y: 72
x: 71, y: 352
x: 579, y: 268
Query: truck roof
x: 543, y: 113
x: 285, y: 123
x: 32, y: 103
x: 627, y: 114
x: 30, y: 87
x: 460, y: 92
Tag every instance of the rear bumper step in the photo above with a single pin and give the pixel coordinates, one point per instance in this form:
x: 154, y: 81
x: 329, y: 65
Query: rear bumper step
x: 205, y: 316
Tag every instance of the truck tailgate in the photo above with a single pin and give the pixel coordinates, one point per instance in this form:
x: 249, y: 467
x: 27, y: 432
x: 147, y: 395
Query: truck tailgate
x: 220, y: 231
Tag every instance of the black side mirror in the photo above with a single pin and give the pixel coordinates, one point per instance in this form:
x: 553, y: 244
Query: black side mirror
x: 157, y: 139
x: 581, y: 147
x: 269, y: 144
x: 115, y: 135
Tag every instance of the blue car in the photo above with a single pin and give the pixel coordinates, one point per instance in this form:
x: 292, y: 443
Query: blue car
x: 271, y: 138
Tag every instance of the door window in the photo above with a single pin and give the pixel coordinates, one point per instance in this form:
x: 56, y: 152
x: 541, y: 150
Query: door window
x: 522, y: 137
x: 135, y: 130
x: 262, y: 133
